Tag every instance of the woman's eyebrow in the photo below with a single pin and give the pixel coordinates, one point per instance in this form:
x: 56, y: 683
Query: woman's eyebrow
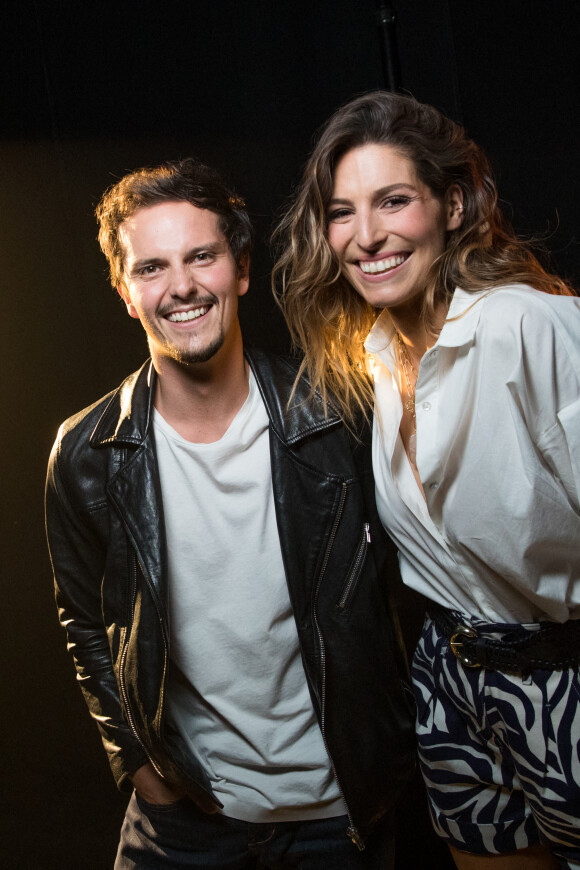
x: 377, y: 194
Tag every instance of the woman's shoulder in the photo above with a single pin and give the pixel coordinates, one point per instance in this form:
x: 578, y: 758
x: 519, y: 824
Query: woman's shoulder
x: 519, y: 320
x: 515, y: 303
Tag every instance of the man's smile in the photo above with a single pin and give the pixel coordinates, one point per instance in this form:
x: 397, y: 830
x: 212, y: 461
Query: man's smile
x: 190, y: 314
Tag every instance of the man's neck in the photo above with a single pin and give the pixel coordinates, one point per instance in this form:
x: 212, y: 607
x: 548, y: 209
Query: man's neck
x: 200, y: 400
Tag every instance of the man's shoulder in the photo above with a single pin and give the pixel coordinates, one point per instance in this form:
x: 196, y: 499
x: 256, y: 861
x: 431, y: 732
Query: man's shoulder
x: 267, y: 361
x: 76, y: 432
x: 296, y: 411
x: 84, y: 420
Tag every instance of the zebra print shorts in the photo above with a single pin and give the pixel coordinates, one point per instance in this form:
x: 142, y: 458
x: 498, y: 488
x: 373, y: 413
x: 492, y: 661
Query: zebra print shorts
x: 500, y: 754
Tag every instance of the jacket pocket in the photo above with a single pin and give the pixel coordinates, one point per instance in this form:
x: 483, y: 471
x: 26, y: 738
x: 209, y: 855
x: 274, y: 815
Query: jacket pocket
x: 355, y: 569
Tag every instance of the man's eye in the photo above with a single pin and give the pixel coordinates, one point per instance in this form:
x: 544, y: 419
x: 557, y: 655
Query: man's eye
x: 149, y: 270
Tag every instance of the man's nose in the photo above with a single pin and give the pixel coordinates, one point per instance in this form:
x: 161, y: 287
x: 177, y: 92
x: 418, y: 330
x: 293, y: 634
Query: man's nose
x: 182, y: 280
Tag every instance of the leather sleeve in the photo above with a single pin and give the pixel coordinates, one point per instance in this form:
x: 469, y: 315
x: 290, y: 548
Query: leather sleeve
x: 76, y: 529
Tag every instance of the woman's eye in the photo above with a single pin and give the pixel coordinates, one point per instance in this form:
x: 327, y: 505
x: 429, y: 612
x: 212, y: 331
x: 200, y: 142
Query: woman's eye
x: 393, y: 202
x: 338, y: 214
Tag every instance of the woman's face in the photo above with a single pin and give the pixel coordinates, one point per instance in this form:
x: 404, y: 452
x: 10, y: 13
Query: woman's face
x: 386, y: 227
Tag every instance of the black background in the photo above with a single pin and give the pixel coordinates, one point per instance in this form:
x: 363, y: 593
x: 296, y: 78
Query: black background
x: 91, y: 90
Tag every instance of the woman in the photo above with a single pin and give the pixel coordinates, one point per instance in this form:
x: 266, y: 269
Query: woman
x: 476, y: 450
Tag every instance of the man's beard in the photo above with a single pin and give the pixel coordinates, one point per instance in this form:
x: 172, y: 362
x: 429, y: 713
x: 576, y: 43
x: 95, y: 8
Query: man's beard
x: 201, y: 355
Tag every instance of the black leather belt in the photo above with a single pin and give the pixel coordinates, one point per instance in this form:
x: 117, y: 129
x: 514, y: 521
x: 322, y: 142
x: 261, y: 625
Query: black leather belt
x: 552, y: 647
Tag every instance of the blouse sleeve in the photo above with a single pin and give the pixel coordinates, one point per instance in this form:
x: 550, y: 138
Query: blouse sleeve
x: 549, y: 392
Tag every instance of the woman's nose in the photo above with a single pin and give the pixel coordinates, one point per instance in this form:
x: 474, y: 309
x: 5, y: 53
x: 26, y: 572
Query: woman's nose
x: 370, y: 232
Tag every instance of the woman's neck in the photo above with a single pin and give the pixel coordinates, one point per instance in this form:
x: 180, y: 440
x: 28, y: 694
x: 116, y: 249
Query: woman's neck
x: 414, y: 333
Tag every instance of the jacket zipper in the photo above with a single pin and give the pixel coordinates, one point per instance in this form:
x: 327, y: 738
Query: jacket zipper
x: 351, y: 831
x: 122, y: 684
x: 356, y: 568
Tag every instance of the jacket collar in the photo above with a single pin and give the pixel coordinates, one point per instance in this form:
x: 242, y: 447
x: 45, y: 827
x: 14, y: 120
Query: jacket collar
x: 291, y: 419
x: 127, y: 417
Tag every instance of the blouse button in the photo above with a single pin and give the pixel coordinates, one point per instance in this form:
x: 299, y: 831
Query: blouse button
x: 426, y: 406
x: 433, y: 486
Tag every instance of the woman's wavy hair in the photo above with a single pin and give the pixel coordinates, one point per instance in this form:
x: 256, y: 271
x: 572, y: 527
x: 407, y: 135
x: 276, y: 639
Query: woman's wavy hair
x: 327, y: 318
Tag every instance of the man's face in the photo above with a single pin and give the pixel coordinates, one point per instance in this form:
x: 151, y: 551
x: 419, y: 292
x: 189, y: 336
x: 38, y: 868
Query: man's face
x: 181, y: 281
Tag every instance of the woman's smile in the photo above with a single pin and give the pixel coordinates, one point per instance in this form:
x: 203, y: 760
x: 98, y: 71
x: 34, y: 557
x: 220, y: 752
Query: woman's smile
x: 386, y: 227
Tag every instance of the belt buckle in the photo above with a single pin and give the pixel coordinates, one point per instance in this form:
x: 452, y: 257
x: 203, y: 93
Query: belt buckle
x: 456, y: 645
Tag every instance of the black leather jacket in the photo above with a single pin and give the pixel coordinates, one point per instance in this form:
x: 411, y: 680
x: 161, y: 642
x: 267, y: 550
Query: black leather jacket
x: 107, y: 542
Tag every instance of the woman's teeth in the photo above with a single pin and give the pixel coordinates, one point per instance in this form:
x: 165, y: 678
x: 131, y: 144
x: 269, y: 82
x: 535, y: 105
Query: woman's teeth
x: 381, y: 265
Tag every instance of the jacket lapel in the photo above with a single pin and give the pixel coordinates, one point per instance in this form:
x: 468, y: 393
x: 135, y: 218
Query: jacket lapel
x: 134, y: 488
x: 305, y: 415
x: 136, y: 493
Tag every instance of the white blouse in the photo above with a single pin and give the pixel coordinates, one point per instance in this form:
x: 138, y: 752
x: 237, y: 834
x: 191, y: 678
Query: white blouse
x: 497, y: 401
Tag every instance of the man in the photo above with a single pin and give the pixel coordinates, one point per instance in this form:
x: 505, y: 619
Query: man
x: 218, y: 565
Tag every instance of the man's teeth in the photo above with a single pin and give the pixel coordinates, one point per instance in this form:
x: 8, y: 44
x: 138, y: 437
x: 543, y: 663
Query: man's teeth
x: 381, y: 265
x: 179, y: 316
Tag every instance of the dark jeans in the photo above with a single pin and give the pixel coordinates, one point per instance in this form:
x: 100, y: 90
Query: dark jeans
x: 180, y: 835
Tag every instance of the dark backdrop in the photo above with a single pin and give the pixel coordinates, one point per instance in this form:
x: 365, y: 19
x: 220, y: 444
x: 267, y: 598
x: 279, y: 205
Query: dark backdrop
x: 91, y: 90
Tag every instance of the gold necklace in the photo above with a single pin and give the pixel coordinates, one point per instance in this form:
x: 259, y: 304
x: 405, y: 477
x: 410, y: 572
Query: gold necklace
x: 406, y: 364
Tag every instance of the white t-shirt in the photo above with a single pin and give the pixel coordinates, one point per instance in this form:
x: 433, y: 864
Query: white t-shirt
x: 498, y: 451
x: 237, y: 690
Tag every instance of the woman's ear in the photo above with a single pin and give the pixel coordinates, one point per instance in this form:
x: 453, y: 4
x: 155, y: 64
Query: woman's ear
x: 454, y: 207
